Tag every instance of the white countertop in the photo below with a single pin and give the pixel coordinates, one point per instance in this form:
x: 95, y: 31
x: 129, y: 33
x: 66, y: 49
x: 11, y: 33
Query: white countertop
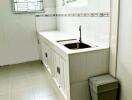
x: 54, y: 36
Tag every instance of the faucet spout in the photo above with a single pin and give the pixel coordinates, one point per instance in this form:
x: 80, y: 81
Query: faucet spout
x: 80, y: 38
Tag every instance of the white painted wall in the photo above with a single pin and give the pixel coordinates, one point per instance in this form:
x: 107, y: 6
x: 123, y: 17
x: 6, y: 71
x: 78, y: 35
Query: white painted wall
x: 93, y: 28
x: 114, y: 37
x: 18, y: 38
x: 124, y: 67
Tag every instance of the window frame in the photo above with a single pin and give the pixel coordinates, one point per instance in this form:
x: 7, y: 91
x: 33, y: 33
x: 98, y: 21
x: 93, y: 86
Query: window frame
x: 26, y: 12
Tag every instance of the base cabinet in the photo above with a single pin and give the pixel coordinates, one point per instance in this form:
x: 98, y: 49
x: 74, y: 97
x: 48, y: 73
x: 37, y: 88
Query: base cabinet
x: 70, y: 72
x: 55, y: 65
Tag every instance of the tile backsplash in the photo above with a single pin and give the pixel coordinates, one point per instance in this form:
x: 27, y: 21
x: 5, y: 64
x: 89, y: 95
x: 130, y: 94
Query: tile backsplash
x: 46, y: 21
x: 93, y: 28
x: 94, y: 18
x: 103, y: 14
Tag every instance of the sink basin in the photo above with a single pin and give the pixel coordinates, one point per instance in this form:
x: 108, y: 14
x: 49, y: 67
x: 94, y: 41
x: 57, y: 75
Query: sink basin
x: 77, y: 45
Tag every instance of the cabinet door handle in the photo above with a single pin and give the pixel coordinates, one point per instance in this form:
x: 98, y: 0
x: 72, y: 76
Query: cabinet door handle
x: 58, y: 70
x: 46, y: 55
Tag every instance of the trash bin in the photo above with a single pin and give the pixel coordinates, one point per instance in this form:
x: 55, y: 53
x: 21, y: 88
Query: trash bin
x: 103, y: 87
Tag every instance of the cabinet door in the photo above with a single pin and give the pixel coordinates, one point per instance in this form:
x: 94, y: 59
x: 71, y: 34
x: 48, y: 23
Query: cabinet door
x: 44, y: 54
x: 60, y: 74
x: 49, y: 59
x: 57, y: 68
x: 47, y: 56
x: 63, y: 75
x: 53, y: 63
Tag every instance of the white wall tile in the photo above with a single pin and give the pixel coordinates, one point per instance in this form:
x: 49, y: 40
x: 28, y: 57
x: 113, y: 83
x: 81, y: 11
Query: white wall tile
x: 93, y: 28
x: 50, y: 3
x: 46, y: 23
x: 92, y: 6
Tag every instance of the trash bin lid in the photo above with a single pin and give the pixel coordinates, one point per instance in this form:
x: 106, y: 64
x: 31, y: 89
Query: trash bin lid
x: 103, y: 83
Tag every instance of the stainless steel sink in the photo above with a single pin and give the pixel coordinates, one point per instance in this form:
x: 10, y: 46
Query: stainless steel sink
x: 77, y: 45
x: 73, y: 43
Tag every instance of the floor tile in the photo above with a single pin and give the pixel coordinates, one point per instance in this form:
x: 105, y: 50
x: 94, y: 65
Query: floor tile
x: 52, y: 97
x: 27, y: 81
x: 5, y: 97
x: 22, y: 95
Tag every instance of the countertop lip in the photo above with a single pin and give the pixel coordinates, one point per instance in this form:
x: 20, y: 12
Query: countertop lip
x: 52, y: 37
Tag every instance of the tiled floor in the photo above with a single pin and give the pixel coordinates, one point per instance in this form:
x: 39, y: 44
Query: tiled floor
x: 28, y: 81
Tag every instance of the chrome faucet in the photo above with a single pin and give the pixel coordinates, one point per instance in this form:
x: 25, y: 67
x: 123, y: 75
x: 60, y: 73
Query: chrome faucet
x: 80, y: 38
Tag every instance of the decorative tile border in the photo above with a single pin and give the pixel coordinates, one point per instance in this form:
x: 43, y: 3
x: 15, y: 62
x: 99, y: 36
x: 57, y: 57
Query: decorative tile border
x: 106, y: 14
x: 46, y: 15
x: 84, y: 15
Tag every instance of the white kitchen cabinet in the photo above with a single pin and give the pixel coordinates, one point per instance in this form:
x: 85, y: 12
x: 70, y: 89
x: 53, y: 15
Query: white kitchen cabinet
x: 63, y: 75
x: 55, y: 65
x: 46, y: 56
x: 60, y: 74
x: 70, y: 70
